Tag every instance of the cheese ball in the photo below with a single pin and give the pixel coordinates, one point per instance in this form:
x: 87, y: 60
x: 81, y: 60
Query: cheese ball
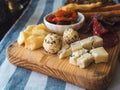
x: 70, y: 36
x: 52, y: 43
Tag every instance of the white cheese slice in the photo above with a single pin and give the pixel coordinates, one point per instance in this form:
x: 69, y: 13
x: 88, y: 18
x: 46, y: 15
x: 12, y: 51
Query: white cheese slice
x: 85, y: 60
x: 99, y: 54
x: 65, y: 51
x: 76, y: 46
x: 75, y: 55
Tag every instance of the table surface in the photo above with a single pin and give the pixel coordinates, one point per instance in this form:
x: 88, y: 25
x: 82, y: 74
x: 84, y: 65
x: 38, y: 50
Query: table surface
x: 17, y: 78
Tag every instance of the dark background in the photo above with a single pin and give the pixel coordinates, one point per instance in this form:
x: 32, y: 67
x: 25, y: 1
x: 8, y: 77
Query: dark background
x: 9, y: 15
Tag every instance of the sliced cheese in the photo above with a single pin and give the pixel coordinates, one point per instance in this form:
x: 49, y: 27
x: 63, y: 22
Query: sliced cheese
x: 22, y: 37
x: 30, y: 28
x: 99, y: 54
x: 76, y: 46
x: 75, y: 55
x: 65, y: 51
x: 34, y: 42
x: 39, y: 32
x: 40, y: 27
x: 85, y: 60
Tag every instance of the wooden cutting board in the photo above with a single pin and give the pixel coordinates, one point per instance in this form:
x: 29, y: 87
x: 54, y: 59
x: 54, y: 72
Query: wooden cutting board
x: 94, y: 77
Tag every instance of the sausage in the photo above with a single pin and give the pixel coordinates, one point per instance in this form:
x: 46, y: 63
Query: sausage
x: 110, y: 39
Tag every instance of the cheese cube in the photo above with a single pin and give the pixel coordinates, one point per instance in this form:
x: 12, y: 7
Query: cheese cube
x: 93, y: 41
x: 96, y: 41
x: 75, y: 55
x: 85, y: 60
x: 65, y: 51
x: 86, y: 43
x: 76, y: 46
x: 99, y: 54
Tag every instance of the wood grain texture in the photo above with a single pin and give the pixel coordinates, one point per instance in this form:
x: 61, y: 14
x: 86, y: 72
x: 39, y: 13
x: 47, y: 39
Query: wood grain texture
x: 94, y: 77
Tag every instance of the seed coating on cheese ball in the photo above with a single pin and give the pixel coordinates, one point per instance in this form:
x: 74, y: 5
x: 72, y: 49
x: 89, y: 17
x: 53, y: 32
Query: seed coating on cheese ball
x: 52, y: 43
x: 70, y: 36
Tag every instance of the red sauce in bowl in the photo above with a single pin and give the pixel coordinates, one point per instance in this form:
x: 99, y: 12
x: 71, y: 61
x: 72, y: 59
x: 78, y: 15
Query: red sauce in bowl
x: 63, y: 17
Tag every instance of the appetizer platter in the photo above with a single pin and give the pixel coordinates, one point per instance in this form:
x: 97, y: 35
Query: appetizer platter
x: 79, y: 43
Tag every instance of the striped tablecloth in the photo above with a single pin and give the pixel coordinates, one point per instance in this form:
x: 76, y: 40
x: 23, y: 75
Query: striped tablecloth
x: 16, y: 78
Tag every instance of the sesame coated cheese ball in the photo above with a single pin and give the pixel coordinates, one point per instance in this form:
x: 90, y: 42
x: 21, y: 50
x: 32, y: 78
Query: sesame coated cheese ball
x: 70, y: 35
x: 52, y: 43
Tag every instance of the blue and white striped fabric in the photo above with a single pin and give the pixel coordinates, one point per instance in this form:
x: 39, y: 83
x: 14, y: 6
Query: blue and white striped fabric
x: 16, y: 78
